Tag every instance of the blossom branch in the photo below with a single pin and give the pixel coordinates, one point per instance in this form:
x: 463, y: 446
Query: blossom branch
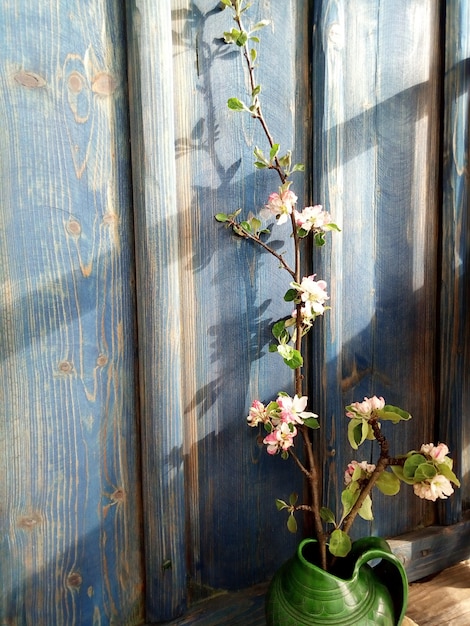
x: 257, y: 112
x: 239, y: 230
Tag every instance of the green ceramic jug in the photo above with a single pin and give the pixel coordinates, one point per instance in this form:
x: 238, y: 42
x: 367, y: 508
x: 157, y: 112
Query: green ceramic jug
x: 356, y: 594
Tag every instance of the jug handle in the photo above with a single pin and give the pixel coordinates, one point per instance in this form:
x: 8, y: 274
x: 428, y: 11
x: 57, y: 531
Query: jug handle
x: 389, y: 570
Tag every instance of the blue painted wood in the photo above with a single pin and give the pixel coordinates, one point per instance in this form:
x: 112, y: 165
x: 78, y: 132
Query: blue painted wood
x: 230, y: 293
x: 376, y: 116
x: 455, y: 289
x: 161, y: 312
x: 70, y: 548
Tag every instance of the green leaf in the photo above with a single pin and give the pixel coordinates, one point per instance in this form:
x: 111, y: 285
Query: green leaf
x: 253, y: 55
x: 272, y: 406
x: 234, y: 104
x: 312, y: 422
x: 293, y: 358
x: 227, y: 3
x: 260, y: 25
x: 393, y: 414
x: 273, y: 348
x: 398, y: 471
x: 319, y: 239
x: 446, y: 471
x: 278, y: 328
x: 221, y: 217
x: 293, y: 498
x: 411, y: 465
x: 358, y: 430
x: 274, y: 150
x: 388, y: 483
x: 340, y: 543
x: 332, y: 226
x: 425, y: 471
x: 280, y: 504
x: 246, y: 226
x: 285, y: 161
x: 290, y: 295
x: 242, y: 39
x: 366, y: 509
x: 259, y: 165
x: 348, y: 500
x: 231, y: 36
x: 292, y: 524
x: 327, y: 515
x: 256, y: 91
x: 259, y: 154
x: 255, y: 224
x: 298, y: 167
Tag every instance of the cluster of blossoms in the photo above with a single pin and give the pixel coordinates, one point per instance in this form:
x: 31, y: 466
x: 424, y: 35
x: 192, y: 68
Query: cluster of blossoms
x: 280, y: 419
x: 436, y: 485
x: 313, y: 296
x: 429, y: 470
x: 356, y: 471
x: 363, y: 410
x: 312, y: 219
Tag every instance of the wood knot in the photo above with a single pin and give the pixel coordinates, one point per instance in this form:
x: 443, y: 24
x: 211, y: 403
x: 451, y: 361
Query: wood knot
x: 65, y: 367
x: 73, y: 227
x: 76, y: 82
x: 29, y: 79
x: 118, y: 496
x: 103, y: 84
x: 102, y: 360
x: 74, y: 580
x: 29, y: 522
x: 110, y: 218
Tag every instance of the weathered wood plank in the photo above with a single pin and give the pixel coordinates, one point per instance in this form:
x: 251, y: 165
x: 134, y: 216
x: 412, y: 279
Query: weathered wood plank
x: 230, y: 292
x: 427, y: 551
x: 376, y: 86
x: 69, y: 522
x: 160, y: 313
x: 455, y: 287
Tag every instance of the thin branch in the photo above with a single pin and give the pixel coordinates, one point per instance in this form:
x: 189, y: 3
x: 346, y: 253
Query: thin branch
x: 237, y: 228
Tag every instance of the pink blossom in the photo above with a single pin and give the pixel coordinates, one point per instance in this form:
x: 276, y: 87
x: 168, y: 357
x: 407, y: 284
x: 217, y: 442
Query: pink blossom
x: 364, y: 409
x: 281, y: 204
x: 293, y: 409
x: 437, y: 487
x: 257, y: 414
x: 282, y: 438
x: 367, y: 468
x: 313, y: 295
x: 437, y: 453
x: 312, y: 217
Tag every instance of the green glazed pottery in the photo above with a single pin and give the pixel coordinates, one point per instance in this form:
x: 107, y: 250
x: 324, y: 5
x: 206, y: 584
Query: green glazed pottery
x: 356, y: 593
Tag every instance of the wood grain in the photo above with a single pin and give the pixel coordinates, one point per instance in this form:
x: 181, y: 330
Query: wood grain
x: 376, y: 105
x: 160, y: 313
x: 229, y: 291
x: 455, y: 285
x: 69, y: 543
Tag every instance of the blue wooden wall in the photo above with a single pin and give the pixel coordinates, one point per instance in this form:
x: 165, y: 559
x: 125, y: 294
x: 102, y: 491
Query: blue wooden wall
x: 230, y: 293
x: 378, y: 87
x: 70, y: 542
x: 131, y: 483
